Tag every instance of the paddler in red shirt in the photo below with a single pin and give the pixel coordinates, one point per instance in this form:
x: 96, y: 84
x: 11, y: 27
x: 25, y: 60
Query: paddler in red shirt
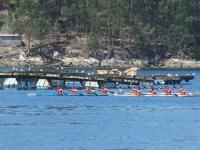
x: 137, y: 92
x: 74, y: 91
x: 104, y: 90
x: 167, y: 91
x: 182, y: 91
x: 89, y: 91
x: 60, y: 91
x: 152, y: 91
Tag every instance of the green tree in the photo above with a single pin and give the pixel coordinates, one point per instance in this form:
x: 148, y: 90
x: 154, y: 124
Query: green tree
x: 90, y: 43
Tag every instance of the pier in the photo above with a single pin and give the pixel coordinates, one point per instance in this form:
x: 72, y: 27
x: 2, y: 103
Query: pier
x: 27, y: 78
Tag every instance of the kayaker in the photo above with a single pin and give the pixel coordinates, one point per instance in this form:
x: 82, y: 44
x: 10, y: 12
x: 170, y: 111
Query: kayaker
x: 152, y: 91
x: 182, y: 91
x: 167, y: 91
x: 74, y: 91
x: 104, y: 90
x: 138, y: 92
x: 134, y: 91
x: 59, y: 91
x: 89, y: 91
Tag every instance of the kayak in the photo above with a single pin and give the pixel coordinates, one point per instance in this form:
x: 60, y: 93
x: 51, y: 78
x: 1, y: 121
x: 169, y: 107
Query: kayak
x: 69, y: 93
x: 114, y: 94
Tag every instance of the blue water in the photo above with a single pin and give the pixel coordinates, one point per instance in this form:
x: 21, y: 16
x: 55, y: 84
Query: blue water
x: 96, y: 123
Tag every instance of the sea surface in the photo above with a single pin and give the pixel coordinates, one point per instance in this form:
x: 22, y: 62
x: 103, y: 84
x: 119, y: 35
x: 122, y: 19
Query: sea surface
x: 101, y: 123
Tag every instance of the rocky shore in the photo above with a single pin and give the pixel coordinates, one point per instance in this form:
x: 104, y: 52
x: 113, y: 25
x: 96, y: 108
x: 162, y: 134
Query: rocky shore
x: 16, y: 56
x: 21, y: 60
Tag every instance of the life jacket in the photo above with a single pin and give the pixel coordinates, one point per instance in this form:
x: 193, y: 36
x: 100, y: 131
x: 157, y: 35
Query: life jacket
x: 182, y: 92
x: 165, y: 91
x: 135, y: 91
x: 59, y: 91
x: 152, y: 92
x: 74, y: 91
x: 169, y: 92
x: 138, y: 92
x: 104, y: 91
x: 89, y: 91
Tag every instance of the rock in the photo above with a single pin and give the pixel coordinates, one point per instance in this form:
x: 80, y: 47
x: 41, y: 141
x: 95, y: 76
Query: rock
x: 139, y: 63
x: 56, y: 54
x: 22, y: 57
x: 36, y: 61
x: 181, y: 63
x: 75, y: 53
x: 113, y: 62
x: 81, y: 62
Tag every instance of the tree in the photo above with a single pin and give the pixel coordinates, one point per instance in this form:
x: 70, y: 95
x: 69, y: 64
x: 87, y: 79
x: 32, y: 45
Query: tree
x: 90, y: 43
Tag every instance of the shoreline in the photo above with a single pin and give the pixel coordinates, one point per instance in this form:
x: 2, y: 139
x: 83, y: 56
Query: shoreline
x: 21, y: 58
x: 99, y: 67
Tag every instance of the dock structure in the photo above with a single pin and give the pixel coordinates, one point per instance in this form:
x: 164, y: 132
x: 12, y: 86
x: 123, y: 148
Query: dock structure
x: 27, y: 78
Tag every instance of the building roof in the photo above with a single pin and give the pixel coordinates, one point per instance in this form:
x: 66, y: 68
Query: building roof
x: 9, y: 34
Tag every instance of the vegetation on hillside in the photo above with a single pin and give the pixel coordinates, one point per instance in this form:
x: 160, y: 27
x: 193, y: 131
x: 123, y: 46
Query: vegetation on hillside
x: 142, y: 28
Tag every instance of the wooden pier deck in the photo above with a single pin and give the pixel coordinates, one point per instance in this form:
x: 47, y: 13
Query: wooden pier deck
x: 24, y: 74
